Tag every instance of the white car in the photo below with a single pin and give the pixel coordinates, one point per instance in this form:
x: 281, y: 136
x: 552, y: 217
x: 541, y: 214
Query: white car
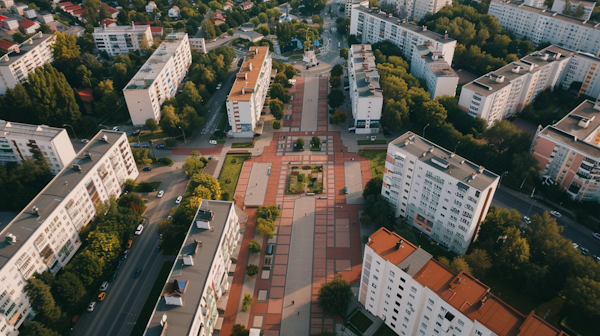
x: 84, y: 140
x: 116, y: 128
x: 597, y: 235
x: 160, y: 194
x: 212, y: 142
x: 178, y: 200
x: 91, y: 307
x: 139, y: 230
x: 104, y: 286
x: 527, y: 220
x: 555, y: 214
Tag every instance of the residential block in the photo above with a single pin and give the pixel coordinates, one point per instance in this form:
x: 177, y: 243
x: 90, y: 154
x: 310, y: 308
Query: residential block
x: 428, y: 63
x: 120, y: 40
x: 365, y: 89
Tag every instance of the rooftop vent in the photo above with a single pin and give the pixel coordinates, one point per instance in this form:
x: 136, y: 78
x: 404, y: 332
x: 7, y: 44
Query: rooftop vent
x: 87, y: 155
x: 398, y: 244
x: 36, y: 210
x: 500, y: 79
x: 431, y: 149
x: 462, y: 161
x: 557, y: 55
x: 585, y: 122
x: 518, y: 68
x: 188, y: 260
x: 481, y: 168
x: 105, y: 138
x: 411, y: 138
x: 545, y: 57
x: 10, y: 239
x: 424, y: 28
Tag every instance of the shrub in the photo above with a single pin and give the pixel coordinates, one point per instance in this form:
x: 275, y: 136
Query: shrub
x: 171, y: 142
x: 225, y: 196
x: 227, y: 180
x: 276, y: 124
x: 254, y: 246
x: 247, y: 301
x: 251, y: 270
x: 233, y: 160
x: 166, y: 161
x: 145, y: 186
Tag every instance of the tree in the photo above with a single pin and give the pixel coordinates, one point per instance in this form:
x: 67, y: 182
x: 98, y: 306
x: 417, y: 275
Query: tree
x: 270, y: 212
x: 129, y: 185
x: 35, y: 328
x: 171, y: 142
x: 300, y: 143
x: 583, y: 295
x: 278, y: 92
x: 83, y: 76
x: 263, y: 18
x: 193, y: 164
x: 207, y: 181
x: 334, y: 296
x: 373, y: 187
x: 373, y: 4
x: 254, y: 246
x: 239, y: 330
x: 317, y: 19
x: 365, y: 220
x: 282, y: 79
x: 501, y: 135
x: 65, y: 47
x: 104, y: 245
x: 151, y: 125
x: 276, y: 108
x: 335, y: 98
x: 514, y: 252
x: 209, y: 29
x: 579, y: 11
x: 337, y: 70
x: 338, y: 117
x: 251, y: 270
x: 255, y: 22
x: 335, y: 82
x: 265, y: 228
x: 433, y: 112
x: 344, y: 53
x: 262, y: 29
x: 69, y: 289
x: 189, y: 96
x: 315, y: 142
x: 289, y: 71
x: 395, y: 115
x: 479, y: 261
x: 458, y: 265
x: 141, y: 156
x: 276, y: 124
x: 215, y: 5
x: 169, y: 121
x: 42, y: 301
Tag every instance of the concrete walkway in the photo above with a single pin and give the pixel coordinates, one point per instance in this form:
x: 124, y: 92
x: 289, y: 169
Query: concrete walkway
x: 255, y: 193
x: 354, y: 183
x: 296, y: 304
x: 310, y: 104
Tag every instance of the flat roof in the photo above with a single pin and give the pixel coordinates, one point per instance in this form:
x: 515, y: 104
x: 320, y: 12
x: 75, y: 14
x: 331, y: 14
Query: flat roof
x: 122, y: 29
x: 457, y: 166
x: 180, y: 318
x: 414, y: 28
x: 24, y: 48
x: 438, y: 66
x: 365, y: 71
x: 155, y: 64
x: 28, y: 130
x: 248, y: 75
x: 549, y: 13
x: 27, y: 221
x: 384, y: 241
x: 569, y: 132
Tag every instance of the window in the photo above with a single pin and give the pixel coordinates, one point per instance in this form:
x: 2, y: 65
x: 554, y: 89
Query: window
x: 395, y: 310
x: 374, y: 285
x: 423, y: 325
x: 394, y: 318
x: 402, y: 279
x: 393, y: 325
x: 430, y: 301
x: 401, y: 288
x: 392, y: 273
x: 413, y: 289
x: 399, y: 296
x: 397, y: 303
x: 387, y: 295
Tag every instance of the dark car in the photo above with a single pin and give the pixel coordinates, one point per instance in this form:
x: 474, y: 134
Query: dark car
x: 136, y: 145
x: 146, y: 146
x: 137, y: 273
x: 136, y: 132
x: 113, y: 276
x: 158, y: 248
x: 147, y: 169
x: 160, y: 146
x: 119, y: 264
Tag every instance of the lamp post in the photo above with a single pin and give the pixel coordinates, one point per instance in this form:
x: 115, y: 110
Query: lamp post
x: 501, y: 176
x: 102, y: 126
x: 424, y: 130
x: 72, y: 129
x: 184, y: 141
x: 456, y: 147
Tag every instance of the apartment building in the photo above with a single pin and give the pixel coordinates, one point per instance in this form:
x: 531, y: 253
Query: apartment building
x: 443, y: 195
x: 348, y: 6
x: 198, y: 44
x: 569, y: 151
x: 506, y: 91
x: 18, y: 140
x: 415, y: 295
x: 45, y: 235
x: 370, y: 26
x: 247, y: 96
x: 583, y: 68
x: 120, y: 40
x: 158, y: 78
x: 535, y: 3
x: 16, y: 65
x: 559, y: 6
x: 366, y: 96
x: 427, y: 63
x: 194, y: 292
x: 540, y: 25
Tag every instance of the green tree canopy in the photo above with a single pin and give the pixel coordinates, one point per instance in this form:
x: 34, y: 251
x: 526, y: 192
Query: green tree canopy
x: 276, y: 108
x: 278, y: 92
x: 69, y: 289
x: 42, y: 301
x: 265, y: 227
x: 373, y: 187
x: 335, y: 98
x: 268, y: 212
x: 254, y: 246
x: 334, y: 296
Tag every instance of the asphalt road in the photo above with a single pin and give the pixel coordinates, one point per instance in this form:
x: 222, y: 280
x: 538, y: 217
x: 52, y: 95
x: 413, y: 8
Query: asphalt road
x: 578, y: 233
x: 118, y: 313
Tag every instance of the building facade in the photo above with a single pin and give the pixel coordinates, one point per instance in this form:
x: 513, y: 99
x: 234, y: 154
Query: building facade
x: 366, y: 96
x: 569, y: 152
x: 371, y: 27
x: 17, y: 140
x: 506, y: 91
x: 559, y: 6
x: 120, y: 40
x: 541, y: 25
x: 198, y: 44
x: 247, y: 96
x: 583, y: 68
x: 415, y: 295
x: 195, y: 289
x: 158, y: 78
x: 15, y: 66
x: 443, y: 195
x: 439, y: 76
x: 45, y: 235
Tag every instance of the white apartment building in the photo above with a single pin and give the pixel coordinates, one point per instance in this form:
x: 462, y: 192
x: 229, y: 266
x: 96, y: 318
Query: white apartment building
x: 540, y: 25
x: 366, y: 96
x: 414, y: 9
x: 583, y: 68
x: 415, y: 295
x: 15, y: 66
x: 198, y: 44
x: 348, y: 6
x: 371, y: 27
x: 194, y: 291
x: 569, y: 151
x: 535, y: 3
x: 443, y: 195
x: 18, y: 140
x: 504, y: 92
x: 428, y: 64
x: 158, y: 78
x: 119, y: 40
x: 588, y: 7
x: 247, y: 96
x: 45, y: 235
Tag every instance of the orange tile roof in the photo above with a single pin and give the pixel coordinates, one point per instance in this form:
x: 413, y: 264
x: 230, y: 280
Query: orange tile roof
x: 383, y: 242
x: 254, y: 59
x: 535, y: 325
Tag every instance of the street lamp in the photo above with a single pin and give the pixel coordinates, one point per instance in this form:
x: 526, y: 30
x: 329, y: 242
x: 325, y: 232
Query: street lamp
x: 424, y: 130
x: 72, y: 129
x: 501, y: 176
x: 184, y: 141
x: 456, y: 147
x: 102, y: 126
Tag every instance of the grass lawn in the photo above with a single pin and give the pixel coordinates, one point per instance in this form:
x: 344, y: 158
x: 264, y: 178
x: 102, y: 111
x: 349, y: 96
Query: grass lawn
x: 147, y: 137
x: 155, y: 185
x: 242, y: 145
x: 376, y: 159
x: 360, y: 321
x: 231, y: 172
x: 155, y: 292
x: 369, y: 142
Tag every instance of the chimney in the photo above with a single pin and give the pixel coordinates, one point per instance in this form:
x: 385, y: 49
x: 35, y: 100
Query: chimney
x: 500, y: 79
x: 557, y: 56
x: 424, y: 28
x: 545, y: 57
x: 518, y: 68
x: 446, y: 34
x: 398, y: 244
x: 36, y: 210
x: 431, y: 149
x: 481, y: 168
x: 6, y: 58
x: 132, y: 25
x: 250, y: 66
x: 390, y: 15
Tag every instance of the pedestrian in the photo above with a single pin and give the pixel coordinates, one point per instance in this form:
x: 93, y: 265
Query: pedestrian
x: 292, y: 303
x: 298, y: 312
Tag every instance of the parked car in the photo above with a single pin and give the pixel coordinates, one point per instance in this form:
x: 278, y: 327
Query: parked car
x: 147, y: 169
x: 575, y: 245
x: 129, y: 243
x: 555, y: 214
x: 178, y: 200
x: 139, y: 230
x: 118, y: 264
x: 161, y: 146
x: 91, y: 307
x: 597, y: 235
x: 160, y: 194
x: 596, y: 258
x: 527, y: 220
x: 84, y: 140
x: 116, y: 128
x: 113, y: 276
x: 584, y: 251
x: 104, y: 286
x: 125, y: 254
x: 212, y: 142
x: 101, y: 296
x: 136, y: 132
x: 158, y: 248
x: 136, y: 145
x: 137, y: 273
x: 146, y: 146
